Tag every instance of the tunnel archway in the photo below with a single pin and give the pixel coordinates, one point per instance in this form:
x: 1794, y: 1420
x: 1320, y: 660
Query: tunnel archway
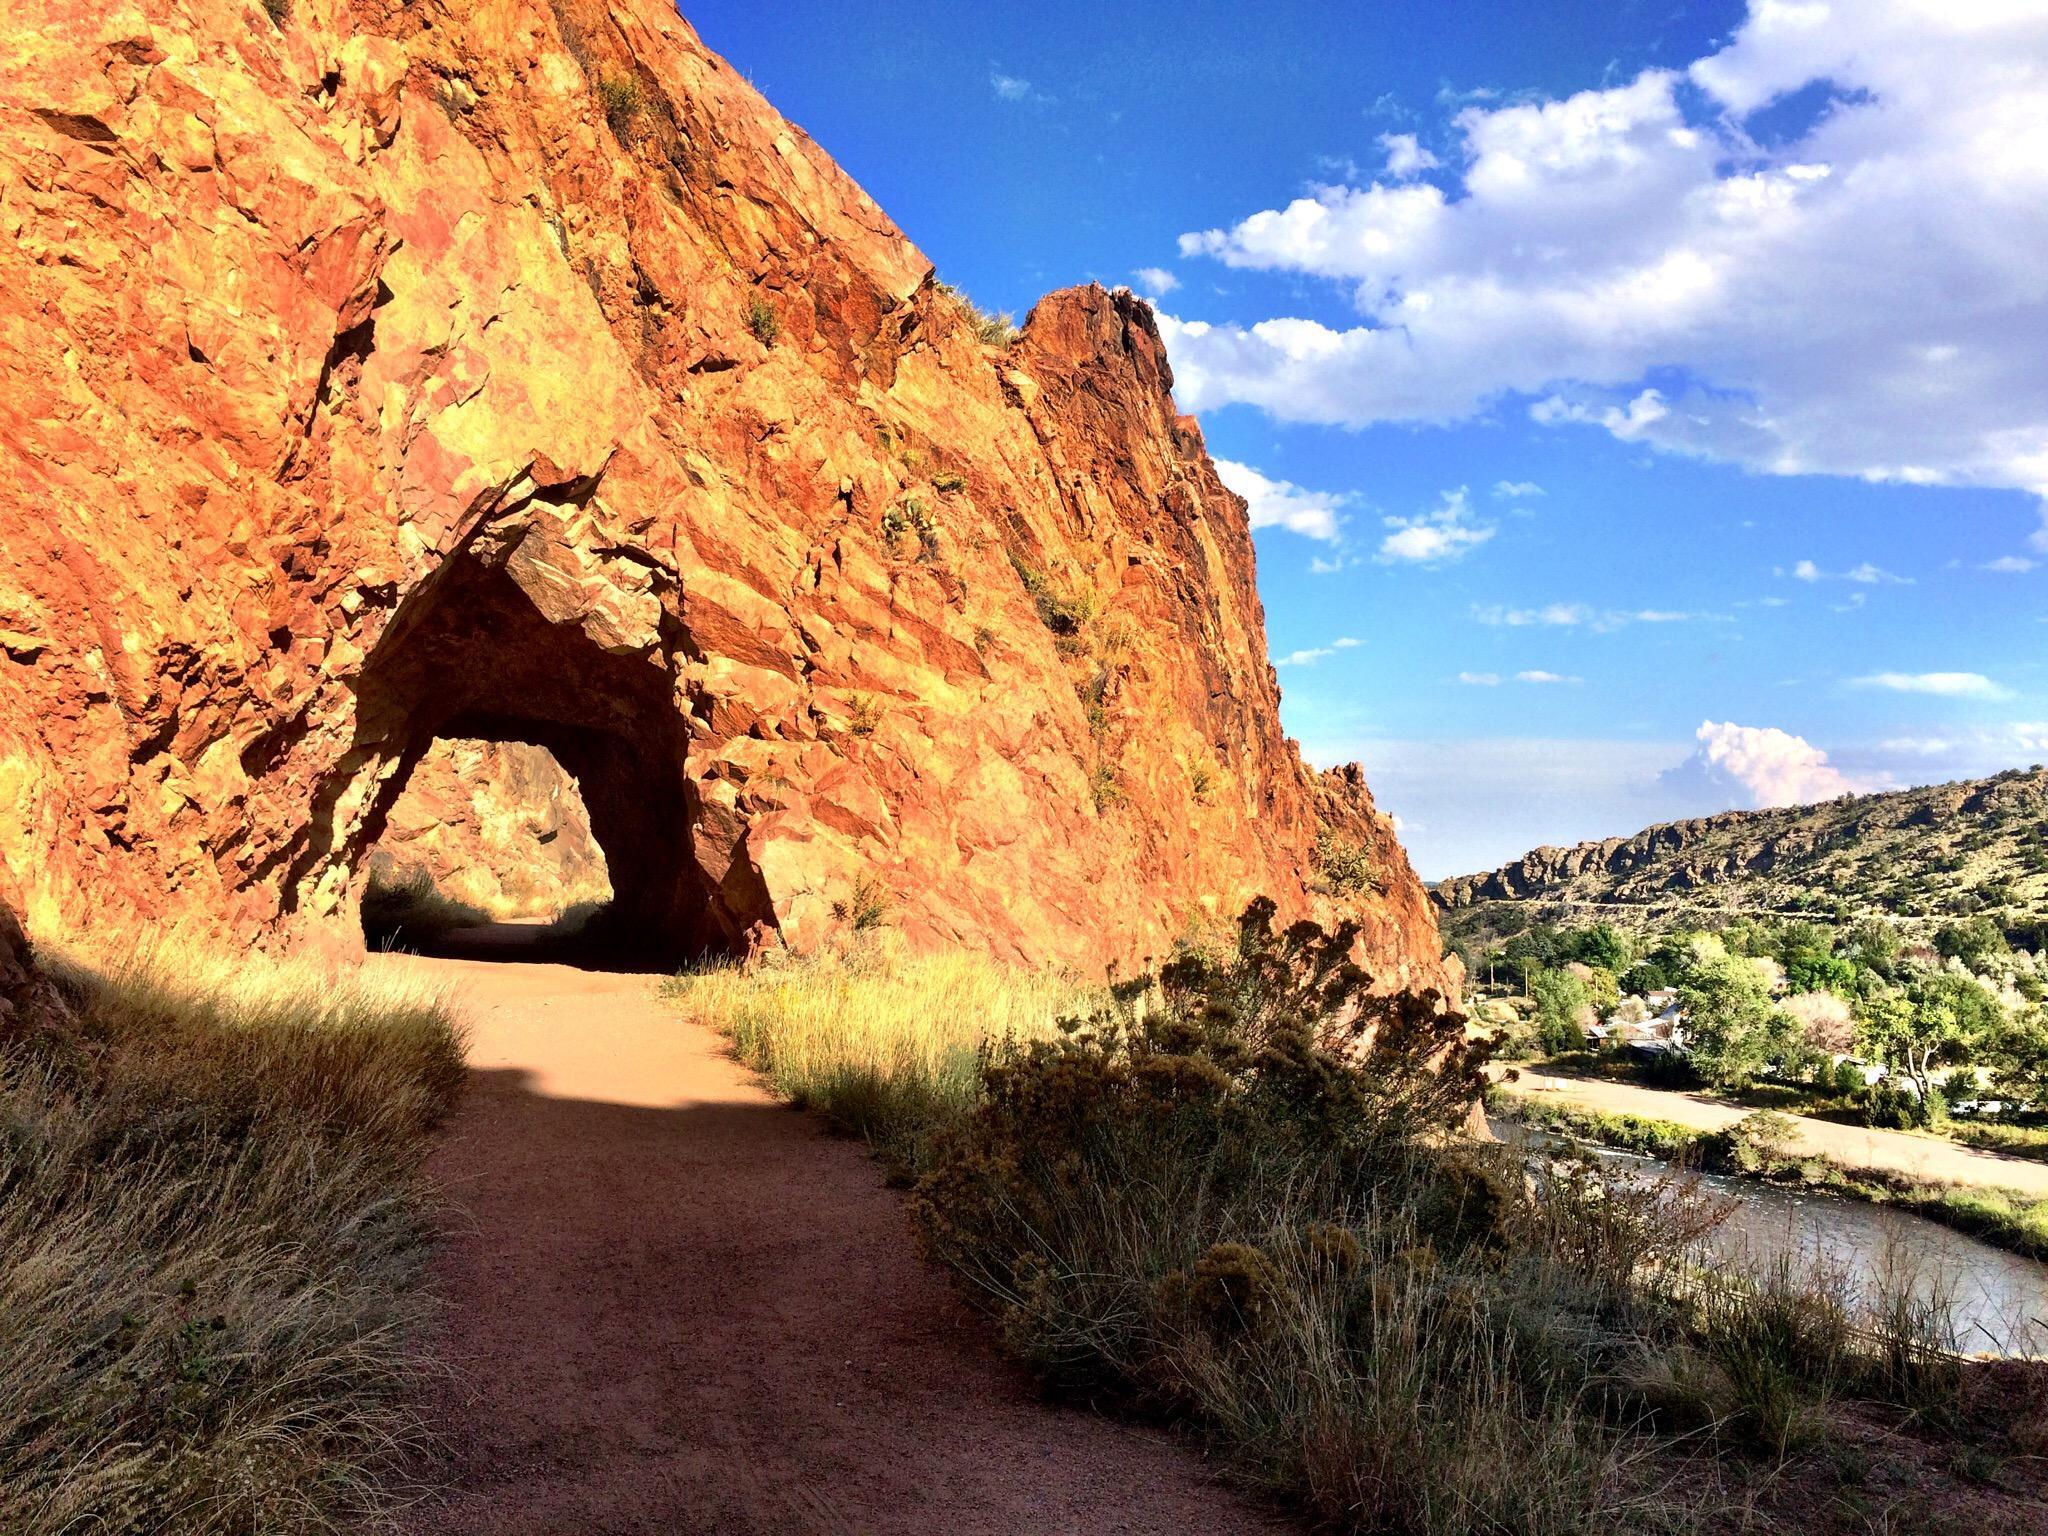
x: 473, y: 656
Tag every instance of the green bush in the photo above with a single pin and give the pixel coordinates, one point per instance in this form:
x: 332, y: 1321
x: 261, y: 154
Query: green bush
x: 623, y: 101
x: 763, y: 321
x: 1345, y: 867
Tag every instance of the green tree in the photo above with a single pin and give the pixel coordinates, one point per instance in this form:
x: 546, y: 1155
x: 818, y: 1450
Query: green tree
x: 1818, y: 970
x: 1664, y: 966
x: 1601, y: 945
x: 1527, y: 953
x: 1976, y: 942
x: 1941, y: 1020
x: 1563, y: 1005
x: 2018, y: 1057
x: 1733, y: 1028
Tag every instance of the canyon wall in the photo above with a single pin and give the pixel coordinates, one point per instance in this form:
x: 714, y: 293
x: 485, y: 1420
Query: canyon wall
x: 511, y: 371
x: 495, y: 825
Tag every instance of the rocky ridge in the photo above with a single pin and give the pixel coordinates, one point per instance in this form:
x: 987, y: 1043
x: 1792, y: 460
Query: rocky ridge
x: 508, y: 370
x: 1946, y: 850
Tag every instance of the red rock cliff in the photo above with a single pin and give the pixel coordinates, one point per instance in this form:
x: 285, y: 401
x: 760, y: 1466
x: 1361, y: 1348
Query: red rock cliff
x: 503, y: 370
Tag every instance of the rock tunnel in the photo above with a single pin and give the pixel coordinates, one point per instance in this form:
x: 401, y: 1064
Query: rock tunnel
x: 471, y: 655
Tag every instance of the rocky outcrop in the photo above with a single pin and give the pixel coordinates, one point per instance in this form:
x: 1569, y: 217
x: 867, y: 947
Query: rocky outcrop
x: 495, y: 825
x: 510, y: 371
x: 1947, y: 849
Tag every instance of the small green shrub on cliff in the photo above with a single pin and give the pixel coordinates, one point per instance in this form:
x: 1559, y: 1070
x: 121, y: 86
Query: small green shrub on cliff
x: 623, y: 101
x: 763, y: 321
x: 1344, y: 867
x: 1066, y: 614
x: 1106, y: 788
x: 991, y: 330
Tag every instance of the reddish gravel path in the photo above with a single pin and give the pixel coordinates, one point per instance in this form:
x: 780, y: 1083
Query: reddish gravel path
x: 678, y: 1307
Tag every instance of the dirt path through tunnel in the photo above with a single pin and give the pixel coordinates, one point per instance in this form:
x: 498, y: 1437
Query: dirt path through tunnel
x: 677, y: 1306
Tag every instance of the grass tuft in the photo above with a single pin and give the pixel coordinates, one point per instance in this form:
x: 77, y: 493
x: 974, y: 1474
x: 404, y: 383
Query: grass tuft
x: 211, y: 1237
x: 886, y: 1044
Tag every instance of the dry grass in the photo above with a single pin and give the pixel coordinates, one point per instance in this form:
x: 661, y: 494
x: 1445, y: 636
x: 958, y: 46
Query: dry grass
x: 885, y: 1043
x: 1189, y: 1206
x: 212, y: 1223
x: 403, y: 908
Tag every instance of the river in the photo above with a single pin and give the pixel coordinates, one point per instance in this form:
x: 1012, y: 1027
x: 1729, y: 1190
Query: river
x: 1999, y: 1300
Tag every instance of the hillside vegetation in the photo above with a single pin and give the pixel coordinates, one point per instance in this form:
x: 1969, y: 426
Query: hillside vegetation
x: 1915, y: 857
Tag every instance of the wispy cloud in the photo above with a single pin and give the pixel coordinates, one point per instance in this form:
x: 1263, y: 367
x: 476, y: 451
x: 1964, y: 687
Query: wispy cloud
x: 1541, y: 677
x: 1315, y: 653
x: 2011, y: 565
x: 1946, y: 685
x: 1577, y: 616
x: 1866, y: 575
x: 1480, y: 679
x: 1515, y: 490
x: 1156, y: 281
x: 1014, y: 88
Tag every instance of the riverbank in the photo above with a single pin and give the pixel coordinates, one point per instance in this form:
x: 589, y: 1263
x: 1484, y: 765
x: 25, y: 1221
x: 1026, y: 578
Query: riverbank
x: 1744, y: 1147
x: 1908, y: 1155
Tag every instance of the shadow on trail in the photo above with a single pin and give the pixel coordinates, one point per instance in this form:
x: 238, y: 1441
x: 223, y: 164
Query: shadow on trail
x: 599, y: 947
x: 711, y: 1318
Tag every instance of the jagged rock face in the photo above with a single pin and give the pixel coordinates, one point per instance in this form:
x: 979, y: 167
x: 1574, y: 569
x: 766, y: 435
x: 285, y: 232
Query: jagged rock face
x: 1854, y: 851
x: 509, y: 371
x: 498, y: 825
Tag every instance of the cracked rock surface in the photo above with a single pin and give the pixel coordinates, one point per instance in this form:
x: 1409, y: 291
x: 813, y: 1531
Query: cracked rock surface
x: 506, y: 370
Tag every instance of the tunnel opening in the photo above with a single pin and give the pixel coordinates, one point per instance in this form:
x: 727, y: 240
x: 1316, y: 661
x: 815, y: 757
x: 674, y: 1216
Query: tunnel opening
x: 475, y: 682
x: 485, y: 834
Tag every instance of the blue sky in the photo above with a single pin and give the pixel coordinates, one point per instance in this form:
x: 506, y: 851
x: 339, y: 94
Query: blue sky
x: 1654, y: 395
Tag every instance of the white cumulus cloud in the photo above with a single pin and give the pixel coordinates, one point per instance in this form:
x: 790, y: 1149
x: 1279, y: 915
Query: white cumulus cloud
x: 1156, y: 281
x: 1769, y: 766
x: 1282, y: 504
x: 1435, y: 537
x: 1592, y: 242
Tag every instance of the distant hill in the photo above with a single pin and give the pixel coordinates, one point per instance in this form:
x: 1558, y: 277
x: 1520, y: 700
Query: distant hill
x: 1937, y: 853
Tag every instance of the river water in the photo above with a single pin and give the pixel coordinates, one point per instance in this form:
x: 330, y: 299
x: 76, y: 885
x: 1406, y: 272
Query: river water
x: 1998, y: 1300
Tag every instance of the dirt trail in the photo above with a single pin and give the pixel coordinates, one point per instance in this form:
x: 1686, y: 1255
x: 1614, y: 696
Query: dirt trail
x: 1922, y: 1157
x: 679, y: 1307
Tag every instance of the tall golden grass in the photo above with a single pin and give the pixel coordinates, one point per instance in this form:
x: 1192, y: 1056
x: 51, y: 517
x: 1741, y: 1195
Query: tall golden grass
x: 212, y: 1227
x: 886, y: 1044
